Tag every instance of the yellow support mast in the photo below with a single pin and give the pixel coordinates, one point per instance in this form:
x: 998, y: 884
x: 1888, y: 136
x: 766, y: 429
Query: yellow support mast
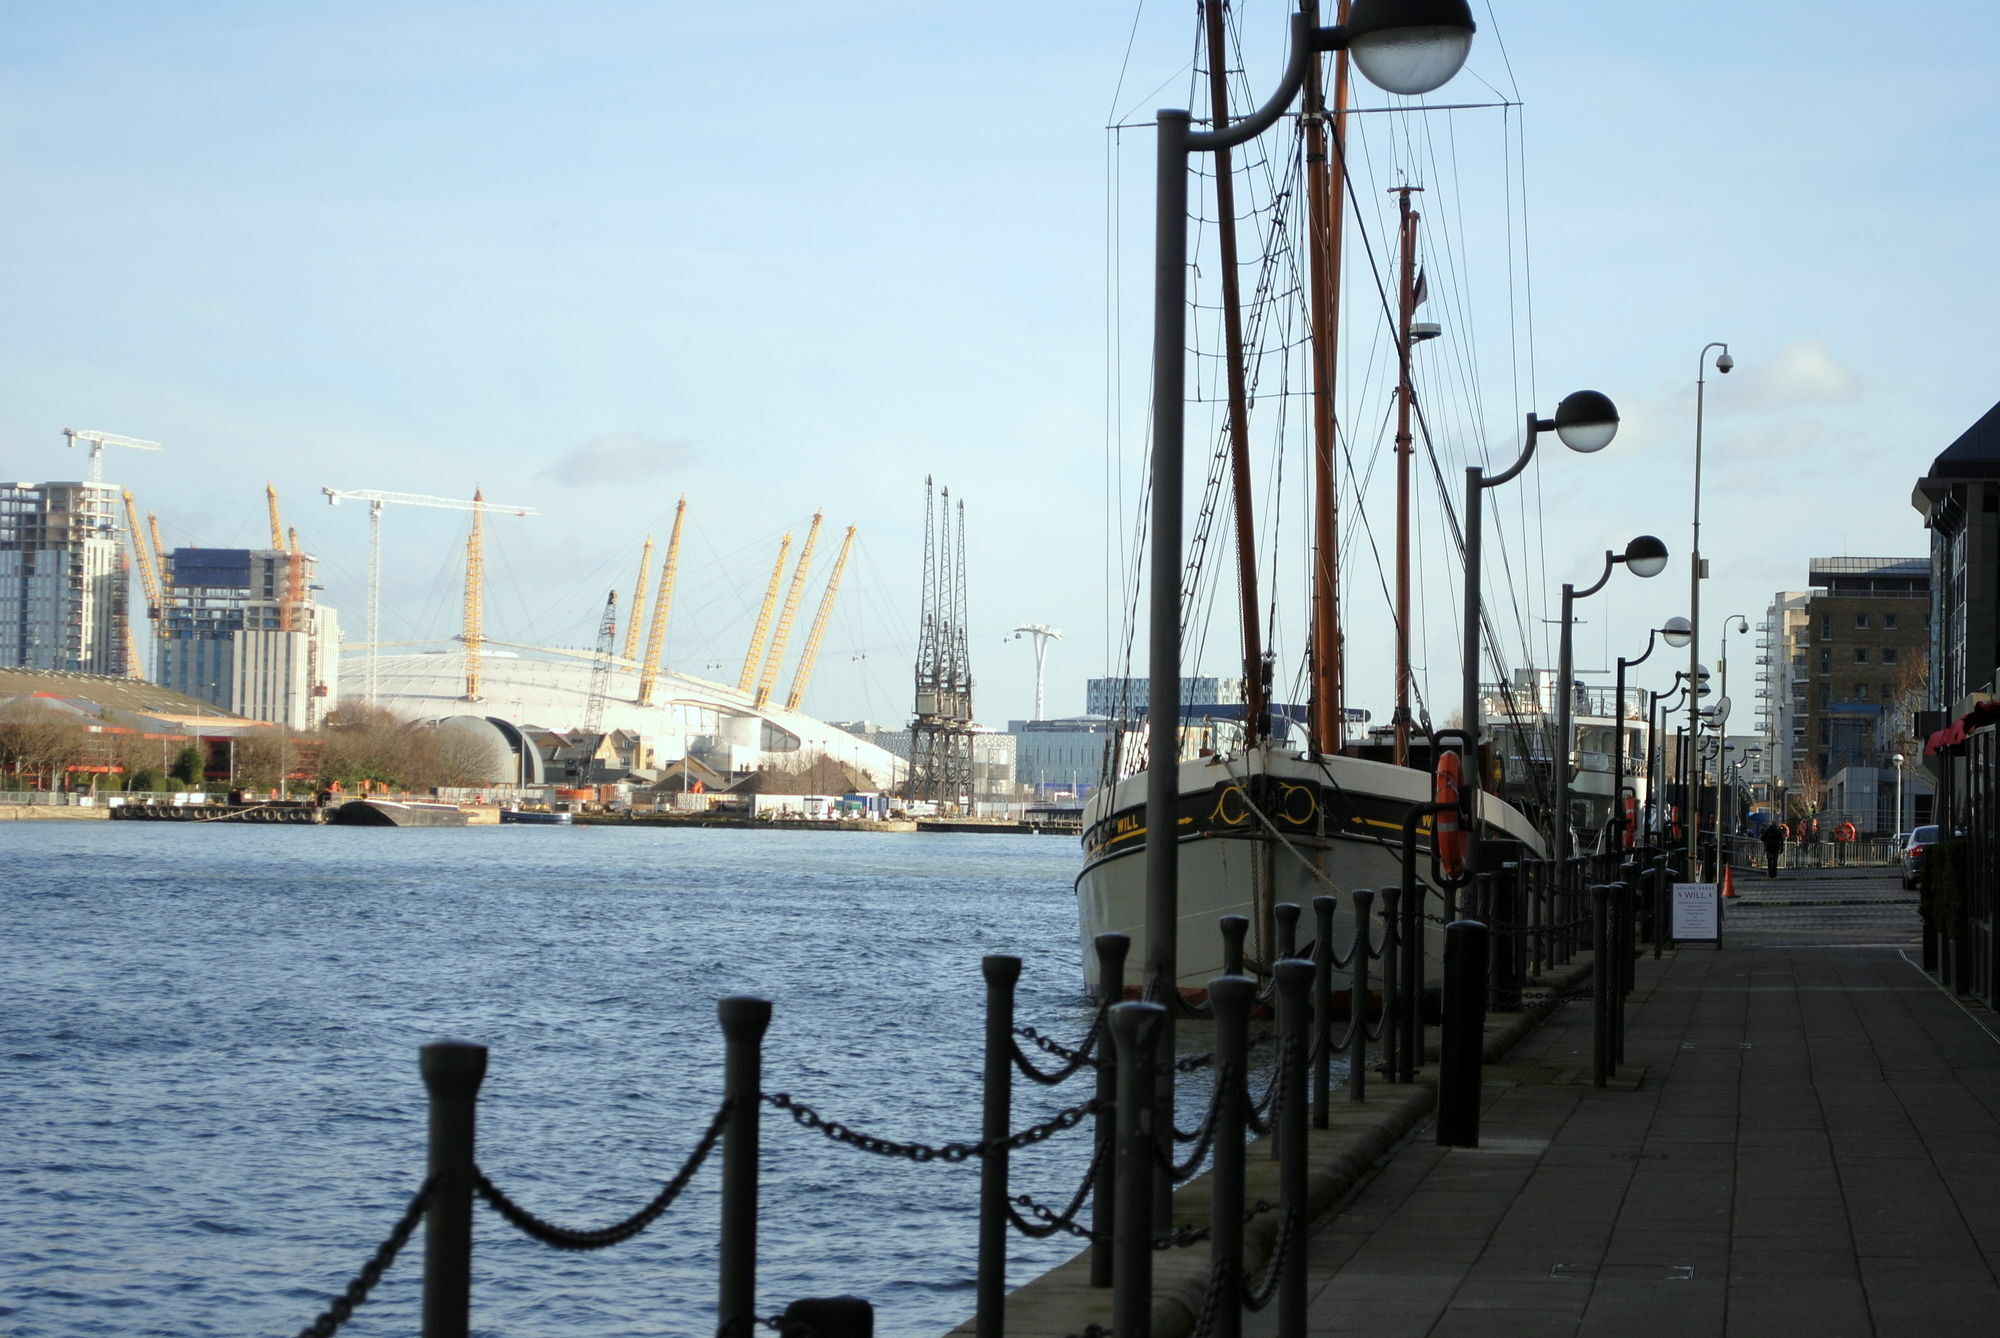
x: 277, y: 526
x: 148, y: 577
x: 776, y: 655
x: 638, y: 602
x: 803, y: 674
x: 756, y: 655
x: 475, y: 577
x: 656, y: 636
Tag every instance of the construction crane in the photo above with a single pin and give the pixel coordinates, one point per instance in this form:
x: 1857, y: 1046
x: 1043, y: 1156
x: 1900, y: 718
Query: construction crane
x: 97, y: 441
x: 756, y: 655
x: 775, y: 657
x: 638, y: 602
x: 600, y: 672
x: 277, y: 526
x: 663, y: 598
x: 149, y: 579
x: 1043, y: 635
x: 376, y: 501
x: 803, y: 674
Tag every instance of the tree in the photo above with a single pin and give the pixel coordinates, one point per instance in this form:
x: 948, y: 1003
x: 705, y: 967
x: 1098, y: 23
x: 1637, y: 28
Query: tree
x: 188, y: 766
x: 37, y: 744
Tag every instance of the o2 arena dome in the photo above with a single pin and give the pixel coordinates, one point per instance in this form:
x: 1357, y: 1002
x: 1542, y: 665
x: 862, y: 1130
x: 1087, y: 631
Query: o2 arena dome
x: 715, y: 723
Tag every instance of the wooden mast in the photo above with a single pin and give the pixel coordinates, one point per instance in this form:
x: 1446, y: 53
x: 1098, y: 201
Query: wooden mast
x: 1239, y: 426
x: 1406, y: 308
x: 1324, y: 176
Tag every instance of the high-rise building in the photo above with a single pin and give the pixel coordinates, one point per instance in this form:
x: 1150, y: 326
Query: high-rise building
x: 240, y: 629
x: 63, y: 579
x: 1126, y: 698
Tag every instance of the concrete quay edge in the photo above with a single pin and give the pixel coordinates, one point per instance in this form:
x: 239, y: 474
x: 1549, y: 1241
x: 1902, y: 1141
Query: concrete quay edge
x: 1061, y: 1302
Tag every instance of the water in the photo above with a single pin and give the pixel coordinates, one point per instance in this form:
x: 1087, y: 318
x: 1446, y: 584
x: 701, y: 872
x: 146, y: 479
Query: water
x: 210, y: 1100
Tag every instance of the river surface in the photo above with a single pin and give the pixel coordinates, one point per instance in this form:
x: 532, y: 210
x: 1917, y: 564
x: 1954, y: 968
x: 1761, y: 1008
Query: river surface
x: 211, y: 1111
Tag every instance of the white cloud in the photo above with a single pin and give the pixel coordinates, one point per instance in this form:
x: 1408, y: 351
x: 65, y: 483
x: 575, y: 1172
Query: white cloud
x: 618, y: 457
x: 1801, y: 374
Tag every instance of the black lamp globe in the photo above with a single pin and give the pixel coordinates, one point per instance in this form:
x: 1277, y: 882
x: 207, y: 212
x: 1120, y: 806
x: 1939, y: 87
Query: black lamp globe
x: 1646, y: 556
x: 1586, y: 421
x: 1409, y: 46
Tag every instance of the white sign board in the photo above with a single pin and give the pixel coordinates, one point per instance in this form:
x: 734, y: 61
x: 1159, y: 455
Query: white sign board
x: 1697, y: 914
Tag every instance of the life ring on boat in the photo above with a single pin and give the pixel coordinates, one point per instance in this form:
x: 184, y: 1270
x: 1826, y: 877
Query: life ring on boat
x: 1448, y: 835
x: 1630, y: 821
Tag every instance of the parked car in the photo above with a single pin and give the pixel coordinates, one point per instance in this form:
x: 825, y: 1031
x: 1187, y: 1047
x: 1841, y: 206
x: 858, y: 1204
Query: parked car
x: 1914, y: 850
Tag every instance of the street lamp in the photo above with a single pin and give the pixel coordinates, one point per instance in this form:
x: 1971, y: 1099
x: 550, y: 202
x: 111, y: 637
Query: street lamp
x: 1645, y: 556
x: 1897, y: 825
x: 1722, y: 706
x: 1675, y: 632
x: 1585, y: 422
x: 1403, y: 46
x: 1723, y: 362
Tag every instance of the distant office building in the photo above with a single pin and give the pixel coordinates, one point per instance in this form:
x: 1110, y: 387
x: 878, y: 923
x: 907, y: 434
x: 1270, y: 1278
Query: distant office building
x: 240, y: 630
x: 1126, y: 698
x: 1054, y: 759
x: 63, y: 581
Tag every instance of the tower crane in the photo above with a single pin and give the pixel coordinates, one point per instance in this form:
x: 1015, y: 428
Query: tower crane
x: 149, y: 579
x: 277, y: 526
x: 97, y: 441
x: 663, y: 598
x: 1043, y: 635
x: 775, y: 657
x: 803, y: 674
x: 376, y: 501
x: 600, y: 671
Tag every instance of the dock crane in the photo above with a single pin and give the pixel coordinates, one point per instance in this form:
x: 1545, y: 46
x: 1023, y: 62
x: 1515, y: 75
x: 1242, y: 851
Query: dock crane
x: 97, y: 441
x: 600, y: 670
x: 663, y: 598
x: 775, y: 657
x: 376, y: 501
x: 803, y: 674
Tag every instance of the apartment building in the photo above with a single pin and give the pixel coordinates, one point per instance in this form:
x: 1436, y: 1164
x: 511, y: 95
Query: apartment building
x: 63, y: 580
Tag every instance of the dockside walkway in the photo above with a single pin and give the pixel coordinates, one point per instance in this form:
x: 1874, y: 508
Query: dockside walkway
x: 1804, y: 1139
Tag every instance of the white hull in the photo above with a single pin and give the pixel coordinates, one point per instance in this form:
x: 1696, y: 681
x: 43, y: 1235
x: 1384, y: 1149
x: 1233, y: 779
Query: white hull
x: 1254, y: 833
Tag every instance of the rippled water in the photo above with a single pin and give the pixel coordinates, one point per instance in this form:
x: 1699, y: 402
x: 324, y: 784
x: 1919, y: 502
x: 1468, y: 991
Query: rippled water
x: 210, y: 1101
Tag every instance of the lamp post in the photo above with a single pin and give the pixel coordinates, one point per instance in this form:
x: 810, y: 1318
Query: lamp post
x: 1658, y: 707
x: 1675, y: 632
x: 1646, y: 556
x: 1723, y: 362
x: 1742, y: 625
x: 1401, y: 46
x: 1897, y: 825
x: 1585, y: 422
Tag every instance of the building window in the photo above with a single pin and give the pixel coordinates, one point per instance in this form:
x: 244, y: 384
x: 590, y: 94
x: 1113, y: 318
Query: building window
x: 1861, y: 654
x: 1826, y: 731
x: 1889, y: 622
x: 1888, y: 691
x: 1888, y: 654
x: 1861, y: 692
x: 1826, y: 661
x: 1861, y: 620
x: 1825, y: 626
x: 1825, y: 695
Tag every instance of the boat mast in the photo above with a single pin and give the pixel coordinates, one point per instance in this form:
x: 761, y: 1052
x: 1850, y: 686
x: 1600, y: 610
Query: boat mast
x: 1325, y: 202
x: 1406, y: 309
x: 1239, y: 426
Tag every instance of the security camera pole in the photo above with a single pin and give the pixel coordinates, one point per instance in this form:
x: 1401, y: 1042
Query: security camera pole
x: 1692, y: 805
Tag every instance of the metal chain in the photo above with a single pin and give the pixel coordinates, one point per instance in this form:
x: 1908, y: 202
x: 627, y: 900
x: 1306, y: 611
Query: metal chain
x: 1258, y: 1295
x: 1053, y: 1222
x: 371, y: 1272
x: 809, y: 1118
x: 568, y: 1238
x: 1081, y: 1057
x: 1202, y: 1135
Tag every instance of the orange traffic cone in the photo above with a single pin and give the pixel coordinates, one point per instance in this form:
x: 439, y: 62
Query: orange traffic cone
x: 1728, y: 881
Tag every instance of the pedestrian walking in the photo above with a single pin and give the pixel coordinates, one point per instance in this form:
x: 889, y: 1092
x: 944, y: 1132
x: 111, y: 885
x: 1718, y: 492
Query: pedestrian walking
x: 1775, y: 836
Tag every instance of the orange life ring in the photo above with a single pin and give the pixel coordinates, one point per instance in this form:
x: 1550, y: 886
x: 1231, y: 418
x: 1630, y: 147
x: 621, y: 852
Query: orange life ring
x: 1630, y: 821
x: 1448, y: 835
x: 1844, y: 832
x: 1674, y: 821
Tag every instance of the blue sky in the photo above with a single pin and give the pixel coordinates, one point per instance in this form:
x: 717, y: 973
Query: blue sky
x: 782, y: 258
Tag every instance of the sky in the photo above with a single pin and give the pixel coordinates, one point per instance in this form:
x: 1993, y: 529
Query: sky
x: 782, y: 259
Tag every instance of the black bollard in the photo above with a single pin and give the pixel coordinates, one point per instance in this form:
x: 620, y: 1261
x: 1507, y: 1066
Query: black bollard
x: 1287, y: 913
x: 1235, y: 928
x: 1601, y: 986
x: 1111, y: 951
x: 1294, y: 1040
x: 1322, y: 1005
x: 743, y: 1023
x: 1357, y: 999
x: 452, y: 1073
x: 1392, y: 955
x: 1232, y: 997
x: 1462, y: 1034
x: 1002, y: 974
x: 1410, y: 943
x: 1507, y: 936
x: 1135, y: 1028
x: 831, y: 1317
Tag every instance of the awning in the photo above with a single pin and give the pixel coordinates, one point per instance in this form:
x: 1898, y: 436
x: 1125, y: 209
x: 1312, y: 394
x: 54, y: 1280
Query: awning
x: 1985, y: 713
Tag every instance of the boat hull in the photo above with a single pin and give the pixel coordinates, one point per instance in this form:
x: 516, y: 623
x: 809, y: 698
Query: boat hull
x: 1257, y: 832
x: 394, y: 813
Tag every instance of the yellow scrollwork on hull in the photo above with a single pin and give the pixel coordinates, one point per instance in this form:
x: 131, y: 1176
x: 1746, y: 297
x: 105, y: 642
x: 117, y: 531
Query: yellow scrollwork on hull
x: 1226, y: 813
